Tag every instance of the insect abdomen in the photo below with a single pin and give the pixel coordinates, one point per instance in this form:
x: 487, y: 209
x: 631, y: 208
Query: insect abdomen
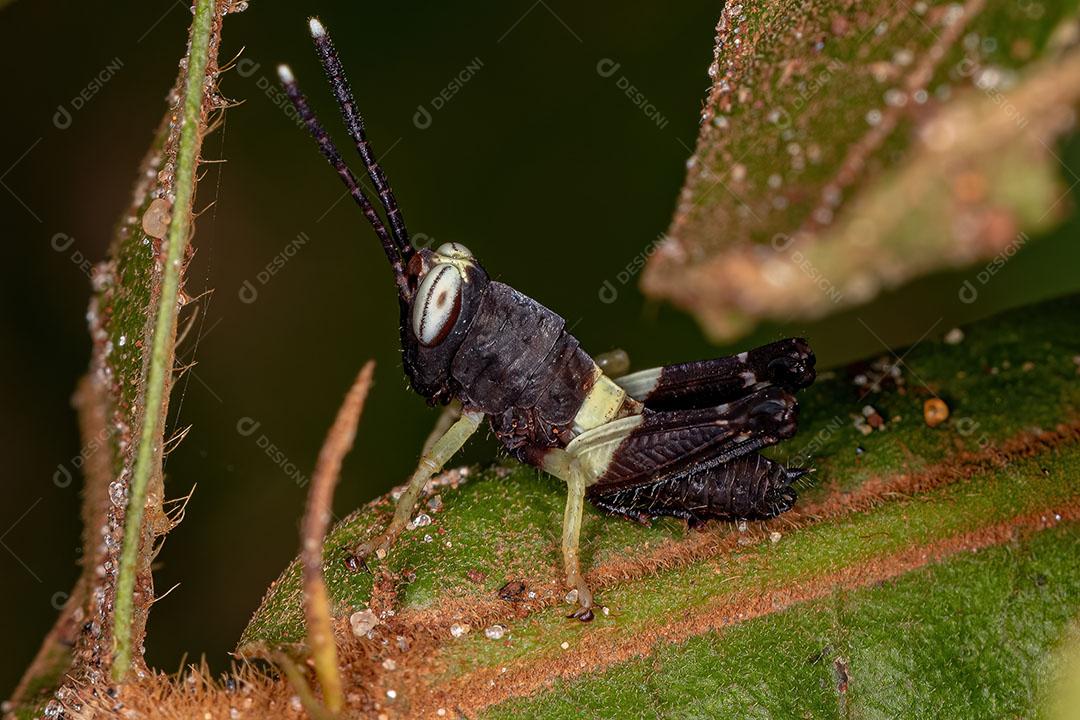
x: 749, y: 487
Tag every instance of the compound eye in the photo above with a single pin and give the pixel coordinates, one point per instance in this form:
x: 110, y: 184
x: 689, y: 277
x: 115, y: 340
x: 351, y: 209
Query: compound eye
x: 437, y: 305
x: 454, y: 251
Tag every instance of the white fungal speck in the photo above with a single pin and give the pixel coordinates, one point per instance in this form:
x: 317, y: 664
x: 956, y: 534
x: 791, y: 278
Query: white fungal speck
x: 118, y: 493
x: 895, y: 97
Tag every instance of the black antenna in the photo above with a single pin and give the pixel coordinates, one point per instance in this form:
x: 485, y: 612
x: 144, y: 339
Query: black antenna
x: 326, y: 145
x: 354, y: 124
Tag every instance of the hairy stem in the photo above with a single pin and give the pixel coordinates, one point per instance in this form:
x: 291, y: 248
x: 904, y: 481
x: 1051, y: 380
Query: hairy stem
x: 147, y: 460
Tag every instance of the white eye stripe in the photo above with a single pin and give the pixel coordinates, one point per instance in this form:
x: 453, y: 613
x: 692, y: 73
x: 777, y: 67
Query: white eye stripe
x: 437, y: 304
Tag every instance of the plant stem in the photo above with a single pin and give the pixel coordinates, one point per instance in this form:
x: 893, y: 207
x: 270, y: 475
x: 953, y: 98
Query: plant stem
x: 313, y: 533
x: 147, y: 459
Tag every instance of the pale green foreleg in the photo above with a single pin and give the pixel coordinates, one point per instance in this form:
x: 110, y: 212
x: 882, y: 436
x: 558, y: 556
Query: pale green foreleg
x: 431, y: 461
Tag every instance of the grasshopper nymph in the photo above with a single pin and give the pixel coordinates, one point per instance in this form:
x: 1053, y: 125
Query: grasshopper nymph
x: 680, y: 440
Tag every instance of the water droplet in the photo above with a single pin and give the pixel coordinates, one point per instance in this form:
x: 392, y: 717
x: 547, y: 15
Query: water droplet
x: 989, y: 78
x: 494, y: 632
x: 363, y: 622
x: 873, y: 117
x: 954, y: 336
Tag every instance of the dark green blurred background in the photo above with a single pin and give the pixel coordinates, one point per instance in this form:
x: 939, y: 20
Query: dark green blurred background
x: 543, y: 167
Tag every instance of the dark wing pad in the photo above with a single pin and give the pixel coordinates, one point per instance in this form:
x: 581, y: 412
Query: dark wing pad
x: 666, y: 443
x: 786, y: 363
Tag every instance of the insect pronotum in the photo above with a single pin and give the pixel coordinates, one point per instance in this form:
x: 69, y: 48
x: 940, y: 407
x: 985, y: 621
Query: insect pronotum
x: 679, y: 440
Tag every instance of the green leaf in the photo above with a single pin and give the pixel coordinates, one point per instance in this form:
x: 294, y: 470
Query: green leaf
x: 940, y: 531
x: 847, y: 148
x: 967, y: 637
